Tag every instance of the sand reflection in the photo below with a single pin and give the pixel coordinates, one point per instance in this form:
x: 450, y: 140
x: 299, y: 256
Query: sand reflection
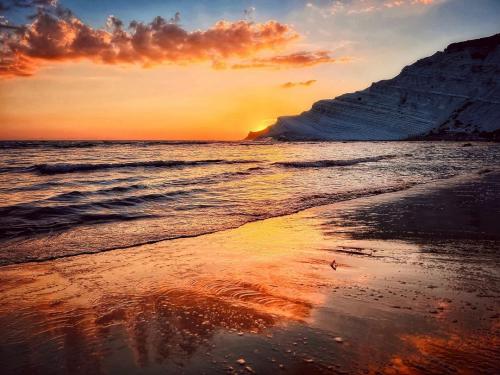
x: 162, y: 303
x: 466, y: 353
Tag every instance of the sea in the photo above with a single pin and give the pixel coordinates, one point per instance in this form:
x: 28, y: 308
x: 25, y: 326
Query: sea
x: 65, y: 198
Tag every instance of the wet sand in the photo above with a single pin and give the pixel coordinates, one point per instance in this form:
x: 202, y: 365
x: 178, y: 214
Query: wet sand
x: 416, y: 290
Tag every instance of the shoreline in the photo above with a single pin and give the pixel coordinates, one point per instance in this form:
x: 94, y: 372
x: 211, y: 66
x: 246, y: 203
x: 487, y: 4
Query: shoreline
x: 346, y: 197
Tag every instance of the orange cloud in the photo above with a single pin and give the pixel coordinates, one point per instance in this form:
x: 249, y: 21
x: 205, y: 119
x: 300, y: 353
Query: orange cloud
x: 297, y: 59
x: 289, y: 85
x: 60, y: 36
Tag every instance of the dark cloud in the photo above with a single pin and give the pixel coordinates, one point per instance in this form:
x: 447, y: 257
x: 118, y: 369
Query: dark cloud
x: 289, y: 85
x: 6, y: 5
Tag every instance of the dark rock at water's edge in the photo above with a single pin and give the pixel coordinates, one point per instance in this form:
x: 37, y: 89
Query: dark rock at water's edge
x: 254, y: 135
x: 451, y: 95
x: 493, y: 136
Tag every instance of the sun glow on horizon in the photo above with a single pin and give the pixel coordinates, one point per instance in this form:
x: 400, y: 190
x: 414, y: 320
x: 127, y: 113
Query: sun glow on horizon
x: 263, y: 124
x: 96, y: 102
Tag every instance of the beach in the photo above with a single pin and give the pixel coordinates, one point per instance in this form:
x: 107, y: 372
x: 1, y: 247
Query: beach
x: 249, y: 187
x: 400, y: 282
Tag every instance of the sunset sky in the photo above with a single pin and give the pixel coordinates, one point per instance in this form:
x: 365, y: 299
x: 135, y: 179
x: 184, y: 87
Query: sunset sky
x: 163, y: 69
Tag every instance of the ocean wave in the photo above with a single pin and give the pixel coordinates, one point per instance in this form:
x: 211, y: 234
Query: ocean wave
x: 30, y: 219
x: 12, y: 169
x: 60, y: 168
x: 283, y: 208
x: 47, y: 144
x: 25, y: 228
x: 332, y: 163
x: 81, y: 194
x: 196, y: 181
x: 76, y: 195
x: 314, y: 200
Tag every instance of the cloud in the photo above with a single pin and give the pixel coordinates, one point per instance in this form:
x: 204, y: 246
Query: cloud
x: 56, y: 35
x: 353, y: 7
x: 289, y: 85
x: 9, y: 4
x: 398, y: 3
x: 293, y: 60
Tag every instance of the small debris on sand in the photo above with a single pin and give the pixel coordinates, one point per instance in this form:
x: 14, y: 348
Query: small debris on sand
x: 334, y: 265
x: 339, y: 339
x: 241, y: 361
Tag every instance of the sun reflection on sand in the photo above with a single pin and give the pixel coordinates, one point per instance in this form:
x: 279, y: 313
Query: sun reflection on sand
x: 433, y: 352
x: 170, y: 298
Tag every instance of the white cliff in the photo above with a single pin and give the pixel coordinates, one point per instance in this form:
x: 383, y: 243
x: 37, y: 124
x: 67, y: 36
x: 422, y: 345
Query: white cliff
x: 452, y: 94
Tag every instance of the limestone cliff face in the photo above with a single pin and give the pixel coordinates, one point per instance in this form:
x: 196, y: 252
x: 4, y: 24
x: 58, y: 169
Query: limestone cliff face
x: 453, y: 93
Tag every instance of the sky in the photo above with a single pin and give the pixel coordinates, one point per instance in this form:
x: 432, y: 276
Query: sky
x: 207, y: 70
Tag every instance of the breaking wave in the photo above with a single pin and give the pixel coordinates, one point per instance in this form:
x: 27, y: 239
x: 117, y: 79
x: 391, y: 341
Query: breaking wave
x: 17, y: 220
x: 333, y: 163
x: 60, y: 168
